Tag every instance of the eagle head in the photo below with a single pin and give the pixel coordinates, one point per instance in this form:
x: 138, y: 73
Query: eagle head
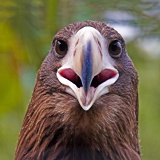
x: 85, y: 101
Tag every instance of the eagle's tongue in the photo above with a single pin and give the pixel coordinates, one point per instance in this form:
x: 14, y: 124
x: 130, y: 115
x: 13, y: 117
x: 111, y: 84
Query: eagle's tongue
x: 71, y: 76
x: 103, y: 76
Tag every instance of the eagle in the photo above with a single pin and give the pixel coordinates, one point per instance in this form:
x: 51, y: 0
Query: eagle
x: 85, y: 101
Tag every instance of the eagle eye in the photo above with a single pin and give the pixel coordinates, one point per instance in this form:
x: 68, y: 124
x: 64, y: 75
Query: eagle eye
x: 61, y: 48
x: 115, y: 48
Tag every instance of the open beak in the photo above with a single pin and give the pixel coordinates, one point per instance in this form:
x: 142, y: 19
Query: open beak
x: 87, y: 70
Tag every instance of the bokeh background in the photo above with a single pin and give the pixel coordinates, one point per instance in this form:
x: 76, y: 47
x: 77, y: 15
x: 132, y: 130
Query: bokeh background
x: 26, y: 32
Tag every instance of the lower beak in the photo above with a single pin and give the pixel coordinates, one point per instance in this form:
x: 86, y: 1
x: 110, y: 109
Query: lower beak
x: 88, y: 77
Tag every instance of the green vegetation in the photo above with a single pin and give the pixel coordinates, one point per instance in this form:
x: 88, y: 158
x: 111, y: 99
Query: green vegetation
x: 26, y: 32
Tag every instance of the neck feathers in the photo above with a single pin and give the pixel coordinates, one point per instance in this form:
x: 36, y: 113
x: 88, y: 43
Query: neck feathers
x: 56, y: 130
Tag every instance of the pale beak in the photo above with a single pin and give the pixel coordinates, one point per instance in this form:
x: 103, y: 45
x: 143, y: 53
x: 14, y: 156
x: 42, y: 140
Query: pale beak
x: 86, y: 70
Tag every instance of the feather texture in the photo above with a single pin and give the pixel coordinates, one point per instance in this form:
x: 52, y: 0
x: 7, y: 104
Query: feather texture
x: 55, y: 127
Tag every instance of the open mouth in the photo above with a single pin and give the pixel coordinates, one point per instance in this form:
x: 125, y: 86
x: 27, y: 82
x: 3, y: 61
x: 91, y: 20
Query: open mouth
x: 103, y: 76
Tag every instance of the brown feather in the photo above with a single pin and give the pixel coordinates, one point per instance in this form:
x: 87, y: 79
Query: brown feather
x: 57, y: 128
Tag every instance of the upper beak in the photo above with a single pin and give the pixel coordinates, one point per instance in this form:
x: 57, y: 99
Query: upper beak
x: 87, y: 71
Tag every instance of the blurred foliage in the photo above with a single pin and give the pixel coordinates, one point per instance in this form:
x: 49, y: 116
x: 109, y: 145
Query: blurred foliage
x: 26, y: 32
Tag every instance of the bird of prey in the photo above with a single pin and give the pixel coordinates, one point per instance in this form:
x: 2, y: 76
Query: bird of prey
x: 85, y: 101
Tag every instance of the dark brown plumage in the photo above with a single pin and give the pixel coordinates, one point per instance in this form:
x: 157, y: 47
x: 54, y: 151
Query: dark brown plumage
x: 59, y: 125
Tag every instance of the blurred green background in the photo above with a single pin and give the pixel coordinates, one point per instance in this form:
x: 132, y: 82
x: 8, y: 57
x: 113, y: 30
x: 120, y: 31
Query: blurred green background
x: 26, y: 32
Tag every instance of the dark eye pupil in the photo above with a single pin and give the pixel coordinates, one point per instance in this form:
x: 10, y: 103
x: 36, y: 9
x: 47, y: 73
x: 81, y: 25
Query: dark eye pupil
x: 61, y: 47
x: 115, y: 48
